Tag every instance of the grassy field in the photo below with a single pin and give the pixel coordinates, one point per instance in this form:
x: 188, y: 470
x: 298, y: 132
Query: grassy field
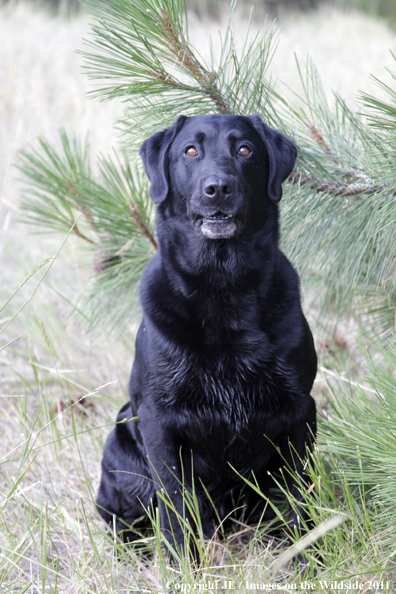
x: 61, y: 388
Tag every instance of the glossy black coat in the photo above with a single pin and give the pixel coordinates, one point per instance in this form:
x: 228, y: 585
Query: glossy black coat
x: 225, y: 360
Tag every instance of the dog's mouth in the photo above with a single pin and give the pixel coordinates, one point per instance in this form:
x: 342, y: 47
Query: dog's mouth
x: 219, y: 225
x: 219, y: 218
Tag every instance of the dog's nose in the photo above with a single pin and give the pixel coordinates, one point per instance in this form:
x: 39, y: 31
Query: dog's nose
x: 218, y: 187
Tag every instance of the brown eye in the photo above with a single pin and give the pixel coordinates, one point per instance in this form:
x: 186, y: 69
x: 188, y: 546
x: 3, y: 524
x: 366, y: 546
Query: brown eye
x: 191, y: 151
x: 244, y: 151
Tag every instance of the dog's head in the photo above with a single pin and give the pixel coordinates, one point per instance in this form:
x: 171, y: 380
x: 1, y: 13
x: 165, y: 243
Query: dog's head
x: 220, y: 170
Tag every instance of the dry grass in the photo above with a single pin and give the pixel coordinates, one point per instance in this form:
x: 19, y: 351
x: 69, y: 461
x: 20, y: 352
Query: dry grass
x: 46, y: 523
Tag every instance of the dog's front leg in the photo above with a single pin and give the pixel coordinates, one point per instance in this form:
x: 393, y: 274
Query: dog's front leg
x: 294, y: 451
x: 163, y: 453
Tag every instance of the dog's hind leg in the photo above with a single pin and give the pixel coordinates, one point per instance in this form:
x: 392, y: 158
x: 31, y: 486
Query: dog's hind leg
x: 126, y: 489
x: 294, y: 451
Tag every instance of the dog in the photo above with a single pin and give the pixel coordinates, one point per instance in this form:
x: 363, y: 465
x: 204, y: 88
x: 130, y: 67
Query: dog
x: 225, y: 360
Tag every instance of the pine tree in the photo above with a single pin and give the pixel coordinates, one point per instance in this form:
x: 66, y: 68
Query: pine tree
x: 338, y: 219
x: 338, y: 212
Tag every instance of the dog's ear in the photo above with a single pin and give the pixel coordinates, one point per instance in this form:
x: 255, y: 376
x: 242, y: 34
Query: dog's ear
x: 154, y: 153
x: 282, y: 155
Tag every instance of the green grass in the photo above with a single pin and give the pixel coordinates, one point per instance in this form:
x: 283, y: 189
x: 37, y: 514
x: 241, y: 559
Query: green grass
x: 54, y: 427
x: 61, y: 387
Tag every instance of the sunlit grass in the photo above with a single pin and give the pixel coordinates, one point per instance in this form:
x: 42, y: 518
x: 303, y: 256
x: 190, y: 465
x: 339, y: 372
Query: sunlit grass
x: 61, y: 388
x: 53, y: 541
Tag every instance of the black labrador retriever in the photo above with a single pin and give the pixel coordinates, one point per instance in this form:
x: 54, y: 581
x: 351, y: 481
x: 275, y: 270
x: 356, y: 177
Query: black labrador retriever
x: 225, y: 359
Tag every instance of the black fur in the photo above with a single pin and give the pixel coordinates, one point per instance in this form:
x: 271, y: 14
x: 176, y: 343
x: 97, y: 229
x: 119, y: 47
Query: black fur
x: 225, y: 360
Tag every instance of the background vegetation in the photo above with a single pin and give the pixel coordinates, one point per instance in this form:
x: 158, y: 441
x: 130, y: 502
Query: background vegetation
x: 274, y: 8
x: 61, y: 387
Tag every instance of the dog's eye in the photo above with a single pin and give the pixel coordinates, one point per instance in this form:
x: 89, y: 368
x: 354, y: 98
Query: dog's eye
x: 244, y: 151
x: 191, y: 151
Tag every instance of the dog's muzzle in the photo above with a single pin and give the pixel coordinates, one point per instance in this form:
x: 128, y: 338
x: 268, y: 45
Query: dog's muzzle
x: 218, y: 226
x: 218, y: 216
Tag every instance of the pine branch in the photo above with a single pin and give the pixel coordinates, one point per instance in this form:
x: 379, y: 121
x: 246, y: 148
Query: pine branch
x: 187, y: 61
x: 117, y: 211
x: 338, y: 188
x: 141, y: 50
x: 151, y: 62
x: 316, y: 135
x: 139, y: 222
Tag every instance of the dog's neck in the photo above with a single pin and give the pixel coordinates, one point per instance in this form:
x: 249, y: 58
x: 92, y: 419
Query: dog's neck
x: 211, y: 291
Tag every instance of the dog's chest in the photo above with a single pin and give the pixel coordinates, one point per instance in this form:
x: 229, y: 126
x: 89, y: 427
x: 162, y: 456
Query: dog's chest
x: 222, y: 387
x: 219, y: 446
x: 227, y: 411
